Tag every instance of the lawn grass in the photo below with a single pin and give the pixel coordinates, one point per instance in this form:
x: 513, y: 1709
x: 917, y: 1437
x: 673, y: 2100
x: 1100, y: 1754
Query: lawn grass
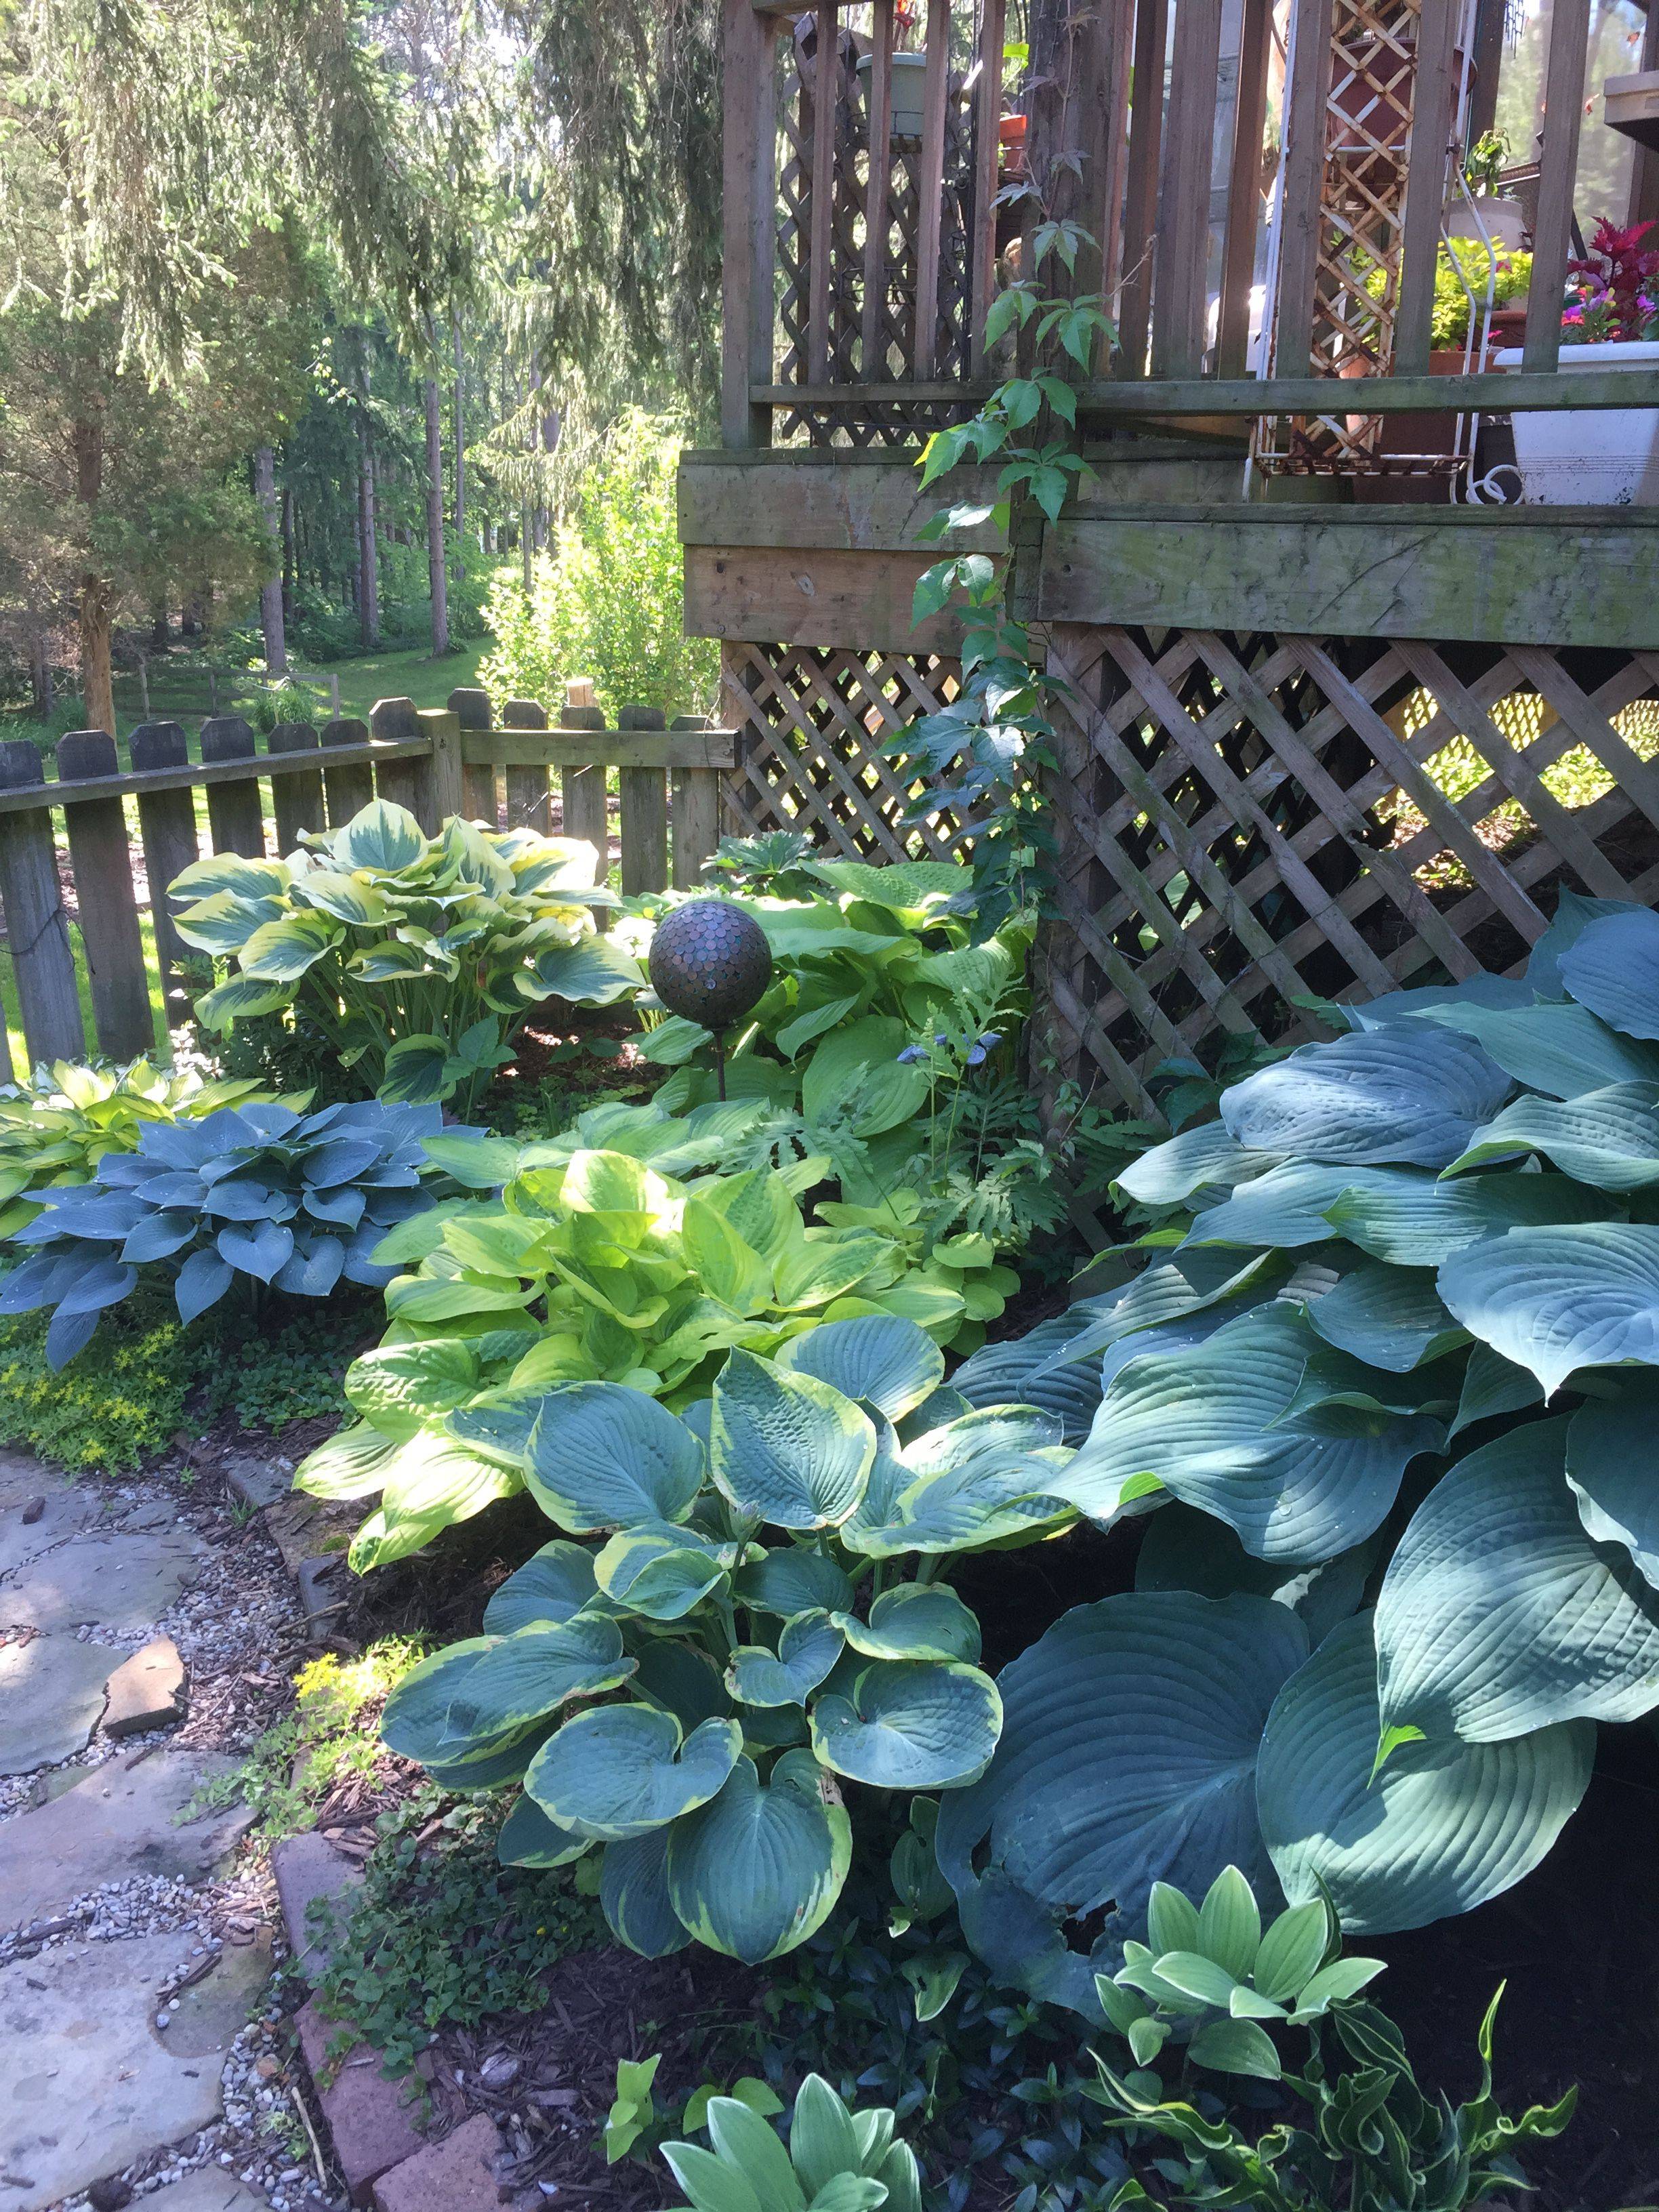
x: 410, y: 675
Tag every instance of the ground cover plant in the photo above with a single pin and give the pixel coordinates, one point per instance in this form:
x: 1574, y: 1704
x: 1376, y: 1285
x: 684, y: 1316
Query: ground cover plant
x: 1385, y: 1403
x: 417, y: 958
x: 261, y: 1193
x: 589, y: 1267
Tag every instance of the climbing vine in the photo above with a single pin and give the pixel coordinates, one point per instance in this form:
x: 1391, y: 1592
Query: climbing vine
x: 981, y: 752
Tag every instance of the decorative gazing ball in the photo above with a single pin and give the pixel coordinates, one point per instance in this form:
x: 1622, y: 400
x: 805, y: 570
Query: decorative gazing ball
x: 710, y: 961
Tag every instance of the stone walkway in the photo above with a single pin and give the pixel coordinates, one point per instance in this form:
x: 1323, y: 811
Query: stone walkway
x: 142, y: 1646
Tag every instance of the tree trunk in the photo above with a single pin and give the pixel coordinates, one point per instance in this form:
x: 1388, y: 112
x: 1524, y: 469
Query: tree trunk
x: 434, y: 518
x: 460, y: 456
x: 526, y: 548
x: 40, y: 667
x: 158, y: 624
x: 368, y: 579
x: 97, y: 676
x: 289, y: 556
x: 271, y: 591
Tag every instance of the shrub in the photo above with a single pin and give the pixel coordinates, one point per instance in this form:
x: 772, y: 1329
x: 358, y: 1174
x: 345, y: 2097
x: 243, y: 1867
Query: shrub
x: 56, y: 1126
x: 294, y: 1202
x: 610, y: 603
x: 836, y: 2161
x: 635, y: 1278
x: 724, y: 1596
x: 418, y: 958
x: 1403, y: 1354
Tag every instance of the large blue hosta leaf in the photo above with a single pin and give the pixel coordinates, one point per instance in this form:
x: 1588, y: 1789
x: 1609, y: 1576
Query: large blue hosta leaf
x: 758, y: 1869
x: 1574, y: 914
x: 1560, y: 1049
x: 1207, y: 1158
x: 602, y: 1455
x: 1612, y: 967
x: 1213, y: 1425
x: 1413, y: 1220
x: 1609, y: 1138
x: 1442, y: 1827
x: 1368, y: 1098
x: 1390, y: 1317
x: 1182, y: 1549
x: 1583, y: 1294
x: 1128, y: 1756
x: 1610, y: 1465
x: 1499, y: 1615
x: 1035, y: 1370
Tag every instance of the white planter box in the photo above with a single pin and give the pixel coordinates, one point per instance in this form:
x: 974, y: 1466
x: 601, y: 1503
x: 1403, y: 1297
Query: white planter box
x: 1593, y: 458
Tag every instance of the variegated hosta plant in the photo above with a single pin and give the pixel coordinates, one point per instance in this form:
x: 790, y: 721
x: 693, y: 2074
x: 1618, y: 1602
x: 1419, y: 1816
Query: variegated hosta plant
x: 756, y: 1616
x: 1390, y: 1405
x: 589, y: 1267
x: 420, y: 957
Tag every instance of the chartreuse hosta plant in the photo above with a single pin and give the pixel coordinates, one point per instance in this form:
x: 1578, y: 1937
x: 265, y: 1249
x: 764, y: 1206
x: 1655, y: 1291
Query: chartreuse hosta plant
x: 757, y: 1616
x: 589, y: 1267
x: 58, y: 1124
x: 419, y: 957
x: 836, y: 2161
x: 1390, y: 1404
x: 289, y: 1200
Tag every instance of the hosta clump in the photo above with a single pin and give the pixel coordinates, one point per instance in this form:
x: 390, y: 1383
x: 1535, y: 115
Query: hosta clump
x: 56, y: 1126
x: 765, y: 1584
x: 1390, y: 1406
x: 589, y: 1267
x: 293, y: 1201
x: 836, y: 2161
x: 420, y: 957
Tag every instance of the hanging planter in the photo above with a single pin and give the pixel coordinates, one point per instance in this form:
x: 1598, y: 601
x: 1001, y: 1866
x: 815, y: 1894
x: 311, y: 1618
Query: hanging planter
x: 909, y: 87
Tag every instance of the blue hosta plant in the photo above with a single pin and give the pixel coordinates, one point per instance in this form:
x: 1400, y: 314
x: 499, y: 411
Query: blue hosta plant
x: 258, y: 1193
x: 1380, y: 1420
x: 589, y: 1265
x: 836, y: 2161
x: 57, y: 1123
x: 419, y: 957
x: 764, y: 1582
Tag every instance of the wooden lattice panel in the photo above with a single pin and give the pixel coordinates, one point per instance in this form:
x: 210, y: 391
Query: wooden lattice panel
x: 811, y: 726
x: 1245, y: 823
x: 895, y: 330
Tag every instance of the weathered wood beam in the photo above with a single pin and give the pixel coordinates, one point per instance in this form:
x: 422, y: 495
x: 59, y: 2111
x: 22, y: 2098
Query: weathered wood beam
x: 816, y: 596
x: 1494, y: 392
x: 1532, y: 576
x: 604, y: 748
x: 207, y: 772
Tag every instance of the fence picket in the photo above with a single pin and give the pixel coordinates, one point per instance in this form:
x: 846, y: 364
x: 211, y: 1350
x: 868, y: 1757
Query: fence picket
x: 693, y: 812
x: 167, y: 825
x: 478, y: 777
x: 584, y: 804
x: 37, y: 927
x: 644, y: 812
x: 235, y: 818
x: 350, y: 788
x: 106, y: 907
x: 296, y: 800
x: 404, y: 782
x: 529, y: 799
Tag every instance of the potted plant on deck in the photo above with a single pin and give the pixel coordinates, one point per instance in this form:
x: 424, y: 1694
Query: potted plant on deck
x: 1607, y: 457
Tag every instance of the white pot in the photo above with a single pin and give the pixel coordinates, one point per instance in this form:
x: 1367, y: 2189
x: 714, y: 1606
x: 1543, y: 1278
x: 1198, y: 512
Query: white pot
x: 1589, y: 457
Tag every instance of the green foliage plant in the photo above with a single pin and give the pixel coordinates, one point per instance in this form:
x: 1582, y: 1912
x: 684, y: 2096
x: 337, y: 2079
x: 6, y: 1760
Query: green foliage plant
x: 765, y: 1581
x: 977, y: 754
x: 442, y: 1935
x: 591, y: 1266
x: 1461, y: 273
x: 57, y: 1124
x: 419, y: 958
x: 1385, y: 1411
x: 123, y: 1400
x: 1372, y: 2139
x: 633, y: 2109
x: 290, y: 1201
x: 608, y: 603
x: 836, y: 2161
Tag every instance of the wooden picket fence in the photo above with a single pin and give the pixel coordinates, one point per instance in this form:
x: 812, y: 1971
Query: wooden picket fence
x: 85, y: 857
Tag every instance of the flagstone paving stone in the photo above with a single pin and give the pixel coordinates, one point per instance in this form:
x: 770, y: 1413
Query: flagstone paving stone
x: 52, y: 1693
x: 121, y: 1820
x: 86, y: 2081
x: 119, y: 1582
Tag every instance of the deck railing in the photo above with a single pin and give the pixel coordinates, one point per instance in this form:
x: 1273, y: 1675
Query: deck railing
x: 1267, y: 223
